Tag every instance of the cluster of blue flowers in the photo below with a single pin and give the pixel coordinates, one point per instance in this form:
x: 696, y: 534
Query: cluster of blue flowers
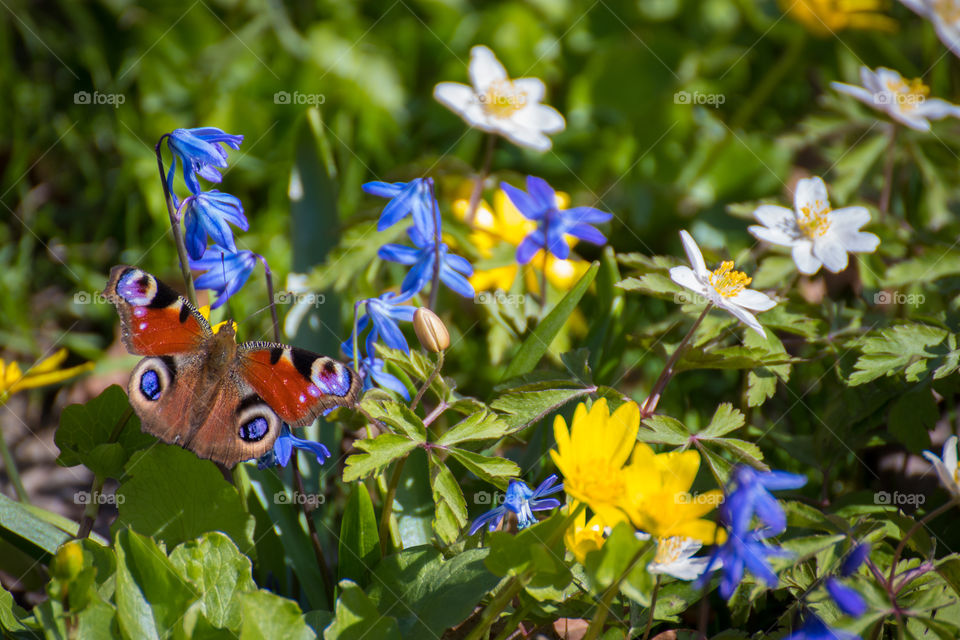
x: 428, y: 257
x: 207, y: 215
x: 522, y: 501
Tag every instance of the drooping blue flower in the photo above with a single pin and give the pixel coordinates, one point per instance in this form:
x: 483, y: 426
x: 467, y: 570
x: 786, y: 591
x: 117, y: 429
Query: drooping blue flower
x: 226, y: 271
x: 751, y: 496
x: 847, y: 598
x: 453, y: 268
x: 211, y: 213
x: 283, y: 449
x: 816, y: 629
x: 748, y: 552
x: 522, y: 501
x: 406, y: 198
x: 854, y: 559
x: 373, y: 370
x: 384, y: 313
x: 539, y: 203
x: 200, y: 152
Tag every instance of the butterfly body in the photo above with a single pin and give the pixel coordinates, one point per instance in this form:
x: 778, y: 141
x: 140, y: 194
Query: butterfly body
x: 203, y: 391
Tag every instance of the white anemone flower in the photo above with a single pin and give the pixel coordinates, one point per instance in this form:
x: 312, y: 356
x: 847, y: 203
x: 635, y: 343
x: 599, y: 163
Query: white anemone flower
x: 904, y: 101
x: 723, y: 286
x: 674, y: 557
x: 946, y: 466
x: 945, y: 17
x: 816, y: 234
x: 498, y: 104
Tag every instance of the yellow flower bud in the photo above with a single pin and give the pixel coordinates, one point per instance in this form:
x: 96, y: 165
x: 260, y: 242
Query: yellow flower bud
x: 430, y: 330
x: 68, y: 563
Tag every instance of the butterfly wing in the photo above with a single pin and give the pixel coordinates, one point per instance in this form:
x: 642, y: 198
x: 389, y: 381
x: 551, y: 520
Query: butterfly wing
x: 154, y: 320
x: 297, y: 384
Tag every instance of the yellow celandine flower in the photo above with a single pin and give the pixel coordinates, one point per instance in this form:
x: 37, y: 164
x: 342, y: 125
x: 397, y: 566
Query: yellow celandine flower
x: 657, y: 496
x: 582, y: 537
x: 205, y: 312
x: 826, y: 17
x: 592, y: 454
x: 45, y: 372
x: 506, y: 224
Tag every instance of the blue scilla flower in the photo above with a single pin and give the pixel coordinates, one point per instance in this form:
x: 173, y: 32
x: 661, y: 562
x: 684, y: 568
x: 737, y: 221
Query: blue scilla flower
x: 847, y: 598
x: 854, y: 559
x: 406, y: 198
x: 373, y: 371
x: 226, y: 271
x: 211, y: 213
x: 384, y: 313
x: 200, y: 152
x: 749, y: 552
x: 751, y: 496
x: 816, y: 629
x: 284, y: 446
x: 539, y: 203
x: 522, y: 501
x: 453, y: 268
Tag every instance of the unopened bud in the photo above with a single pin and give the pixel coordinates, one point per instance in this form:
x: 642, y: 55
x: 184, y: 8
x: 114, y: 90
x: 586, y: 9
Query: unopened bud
x: 68, y: 563
x: 430, y: 330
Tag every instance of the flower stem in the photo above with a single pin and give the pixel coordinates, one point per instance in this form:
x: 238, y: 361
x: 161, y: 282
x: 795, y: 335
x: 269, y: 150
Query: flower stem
x: 92, y: 509
x: 477, y: 192
x: 11, y: 465
x: 314, y: 537
x: 514, y: 621
x: 888, y: 166
x: 273, y: 302
x: 903, y: 543
x: 175, y: 227
x: 650, y: 404
x: 596, y: 625
x: 429, y: 381
x: 653, y: 607
x: 385, y: 514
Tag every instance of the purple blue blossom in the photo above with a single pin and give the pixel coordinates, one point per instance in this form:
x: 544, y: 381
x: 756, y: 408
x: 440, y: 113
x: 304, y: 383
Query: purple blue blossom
x: 284, y: 446
x: 226, y: 271
x: 211, y: 213
x: 453, y: 268
x: 199, y: 151
x: 751, y: 497
x: 816, y: 629
x: 522, y: 501
x: 406, y: 198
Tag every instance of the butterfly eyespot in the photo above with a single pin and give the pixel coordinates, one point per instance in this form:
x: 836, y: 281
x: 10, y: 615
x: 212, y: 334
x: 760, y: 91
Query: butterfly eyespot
x: 137, y: 287
x: 150, y: 385
x: 255, y: 429
x: 330, y: 377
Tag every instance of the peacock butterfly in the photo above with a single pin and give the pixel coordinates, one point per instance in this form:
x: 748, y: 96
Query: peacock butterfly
x: 203, y: 391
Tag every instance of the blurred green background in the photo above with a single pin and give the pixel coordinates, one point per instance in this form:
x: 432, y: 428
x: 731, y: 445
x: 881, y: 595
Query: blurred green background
x: 79, y: 183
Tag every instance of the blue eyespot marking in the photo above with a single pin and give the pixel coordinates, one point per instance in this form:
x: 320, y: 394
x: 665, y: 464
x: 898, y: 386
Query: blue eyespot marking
x: 150, y: 385
x: 332, y: 378
x: 137, y: 287
x: 255, y: 429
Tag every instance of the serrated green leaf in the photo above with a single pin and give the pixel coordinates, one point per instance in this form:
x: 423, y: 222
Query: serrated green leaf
x: 902, y: 348
x: 357, y: 617
x: 451, y: 506
x: 493, y: 469
x: 725, y: 419
x: 527, y: 405
x: 482, y: 425
x: 399, y: 416
x: 267, y: 615
x: 663, y: 430
x: 380, y: 452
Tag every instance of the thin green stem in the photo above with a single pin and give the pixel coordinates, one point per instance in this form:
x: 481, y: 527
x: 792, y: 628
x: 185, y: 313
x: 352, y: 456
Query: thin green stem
x: 903, y: 543
x: 477, y: 192
x: 514, y: 621
x: 175, y: 227
x: 596, y: 625
x: 650, y: 404
x: 888, y: 166
x: 273, y: 303
x: 653, y: 607
x: 11, y: 465
x: 314, y: 536
x: 388, y: 499
x: 428, y: 382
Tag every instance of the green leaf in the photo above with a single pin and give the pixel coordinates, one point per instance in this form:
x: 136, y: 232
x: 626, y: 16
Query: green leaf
x: 493, y: 469
x: 663, y: 430
x: 416, y: 365
x: 399, y: 416
x: 912, y: 416
x: 174, y: 496
x: 526, y: 405
x: 357, y: 618
x: 220, y: 574
x: 380, y: 452
x: 10, y: 613
x: 537, y: 343
x: 482, y: 425
x: 451, y: 507
x: 86, y: 434
x: 904, y: 347
x: 925, y: 268
x: 429, y: 594
x: 513, y: 554
x: 413, y: 506
x: 359, y: 547
x: 267, y: 615
x: 725, y: 419
x: 604, y: 565
x: 151, y: 596
x: 31, y: 534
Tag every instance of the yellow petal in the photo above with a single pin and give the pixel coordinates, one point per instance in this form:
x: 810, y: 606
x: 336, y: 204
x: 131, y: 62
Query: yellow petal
x: 50, y: 363
x: 44, y: 379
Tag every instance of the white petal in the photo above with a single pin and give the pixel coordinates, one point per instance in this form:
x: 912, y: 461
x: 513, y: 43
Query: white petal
x: 689, y: 547
x: 685, y: 277
x: 773, y: 236
x: 693, y: 254
x: 859, y: 241
x: 869, y: 79
x: 950, y: 454
x: 533, y: 89
x: 937, y: 109
x: 811, y: 193
x: 524, y: 136
x: 948, y: 33
x: 455, y: 96
x: 539, y: 117
x: 689, y: 569
x: 861, y: 94
x: 831, y: 253
x: 743, y: 316
x: 753, y: 300
x: 485, y: 69
x: 771, y: 215
x: 803, y: 257
x: 916, y: 123
x: 848, y: 218
x: 943, y: 473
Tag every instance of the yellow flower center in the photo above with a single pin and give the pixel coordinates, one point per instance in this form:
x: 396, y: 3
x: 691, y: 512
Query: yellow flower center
x: 594, y: 481
x: 948, y: 10
x: 668, y: 550
x: 907, y: 95
x: 728, y: 282
x: 503, y: 99
x: 813, y: 220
